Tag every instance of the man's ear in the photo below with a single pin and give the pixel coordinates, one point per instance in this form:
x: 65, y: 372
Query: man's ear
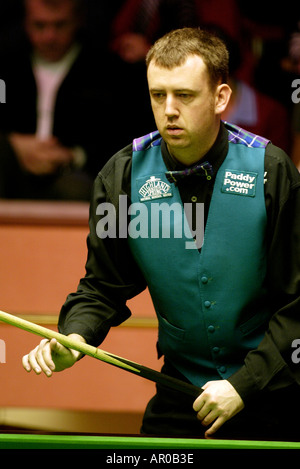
x: 222, y: 97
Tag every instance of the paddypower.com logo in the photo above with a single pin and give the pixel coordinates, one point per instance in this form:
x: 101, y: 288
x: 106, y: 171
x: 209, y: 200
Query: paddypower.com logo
x: 154, y: 220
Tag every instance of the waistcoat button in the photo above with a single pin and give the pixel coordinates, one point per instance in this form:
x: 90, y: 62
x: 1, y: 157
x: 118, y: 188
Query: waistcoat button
x: 204, y: 279
x: 207, y: 304
x: 211, y: 329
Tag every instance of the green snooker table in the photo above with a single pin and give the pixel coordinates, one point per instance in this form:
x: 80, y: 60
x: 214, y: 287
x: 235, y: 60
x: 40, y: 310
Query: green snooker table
x: 41, y: 441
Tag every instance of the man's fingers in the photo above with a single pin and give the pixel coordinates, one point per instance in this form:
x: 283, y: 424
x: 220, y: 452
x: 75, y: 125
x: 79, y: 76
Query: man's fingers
x: 26, y: 364
x: 203, y: 412
x: 208, y: 417
x: 215, y: 426
x: 44, y: 357
x: 198, y: 403
x: 31, y: 361
x: 218, y: 403
x: 51, y: 356
x: 40, y: 359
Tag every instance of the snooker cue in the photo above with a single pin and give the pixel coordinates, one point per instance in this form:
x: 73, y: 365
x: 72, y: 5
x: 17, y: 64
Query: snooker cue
x: 95, y: 352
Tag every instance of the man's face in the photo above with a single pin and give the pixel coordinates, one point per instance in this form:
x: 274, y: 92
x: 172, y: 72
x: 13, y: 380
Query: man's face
x: 184, y: 108
x: 51, y: 29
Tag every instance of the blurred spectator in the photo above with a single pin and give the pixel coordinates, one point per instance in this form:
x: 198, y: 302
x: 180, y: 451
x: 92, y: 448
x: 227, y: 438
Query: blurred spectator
x: 52, y: 142
x: 292, y: 61
x: 291, y: 65
x: 135, y: 27
x: 296, y: 135
x: 294, y: 56
x: 269, y: 29
x: 251, y: 109
x: 140, y: 22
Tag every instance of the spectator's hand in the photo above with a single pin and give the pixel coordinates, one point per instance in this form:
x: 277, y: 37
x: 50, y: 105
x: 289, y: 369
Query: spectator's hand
x: 131, y: 47
x: 294, y: 47
x: 40, y: 157
x: 50, y: 356
x: 217, y: 404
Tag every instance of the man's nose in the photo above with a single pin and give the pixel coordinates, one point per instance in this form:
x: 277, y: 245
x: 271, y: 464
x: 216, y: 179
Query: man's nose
x: 171, y: 107
x: 49, y: 33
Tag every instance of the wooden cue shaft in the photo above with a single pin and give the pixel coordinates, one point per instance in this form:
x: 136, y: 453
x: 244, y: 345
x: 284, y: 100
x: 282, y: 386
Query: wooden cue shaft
x: 102, y: 355
x: 62, y: 339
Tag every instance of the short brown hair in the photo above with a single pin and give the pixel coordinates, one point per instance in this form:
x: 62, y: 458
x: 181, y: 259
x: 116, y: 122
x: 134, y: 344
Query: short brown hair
x: 173, y: 49
x: 79, y: 6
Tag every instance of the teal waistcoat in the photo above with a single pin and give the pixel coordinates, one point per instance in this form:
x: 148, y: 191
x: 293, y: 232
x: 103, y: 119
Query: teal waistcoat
x: 211, y: 305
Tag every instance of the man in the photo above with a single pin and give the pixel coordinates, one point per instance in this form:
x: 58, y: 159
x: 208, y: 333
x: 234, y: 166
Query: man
x: 227, y: 307
x: 49, y: 142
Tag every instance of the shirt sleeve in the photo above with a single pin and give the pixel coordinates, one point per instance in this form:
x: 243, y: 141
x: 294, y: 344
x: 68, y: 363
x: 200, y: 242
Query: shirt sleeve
x: 270, y: 365
x: 112, y: 276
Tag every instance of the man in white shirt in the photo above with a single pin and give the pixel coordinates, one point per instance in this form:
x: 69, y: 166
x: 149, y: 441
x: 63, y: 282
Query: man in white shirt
x: 54, y: 159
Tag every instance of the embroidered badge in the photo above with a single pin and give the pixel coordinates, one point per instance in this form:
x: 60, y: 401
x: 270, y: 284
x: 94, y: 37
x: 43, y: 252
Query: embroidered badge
x: 154, y: 188
x: 239, y: 183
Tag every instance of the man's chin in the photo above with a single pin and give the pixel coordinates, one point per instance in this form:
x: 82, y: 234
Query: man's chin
x: 52, y: 55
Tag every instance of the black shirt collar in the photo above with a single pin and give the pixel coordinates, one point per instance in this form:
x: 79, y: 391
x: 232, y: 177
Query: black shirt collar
x: 215, y: 156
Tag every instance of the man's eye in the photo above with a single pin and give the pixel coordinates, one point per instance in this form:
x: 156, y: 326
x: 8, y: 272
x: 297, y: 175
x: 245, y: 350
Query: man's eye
x: 39, y: 25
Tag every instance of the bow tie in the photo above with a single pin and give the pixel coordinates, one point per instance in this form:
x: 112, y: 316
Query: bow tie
x: 202, y: 169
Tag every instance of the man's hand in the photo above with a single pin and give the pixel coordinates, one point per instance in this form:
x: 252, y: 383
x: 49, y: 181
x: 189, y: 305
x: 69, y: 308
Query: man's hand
x: 50, y: 356
x: 131, y: 47
x: 40, y: 157
x: 217, y: 404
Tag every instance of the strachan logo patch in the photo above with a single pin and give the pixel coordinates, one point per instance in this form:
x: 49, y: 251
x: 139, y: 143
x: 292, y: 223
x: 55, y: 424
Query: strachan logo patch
x: 239, y: 183
x: 154, y: 188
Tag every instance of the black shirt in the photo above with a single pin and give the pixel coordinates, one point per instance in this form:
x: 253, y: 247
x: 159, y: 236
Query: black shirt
x: 112, y: 276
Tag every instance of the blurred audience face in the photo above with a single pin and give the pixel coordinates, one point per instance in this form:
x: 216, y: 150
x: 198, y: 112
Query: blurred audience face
x: 51, y: 26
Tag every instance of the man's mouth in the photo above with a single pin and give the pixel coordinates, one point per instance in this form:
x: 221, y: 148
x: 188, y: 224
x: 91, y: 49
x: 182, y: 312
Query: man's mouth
x: 174, y: 130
